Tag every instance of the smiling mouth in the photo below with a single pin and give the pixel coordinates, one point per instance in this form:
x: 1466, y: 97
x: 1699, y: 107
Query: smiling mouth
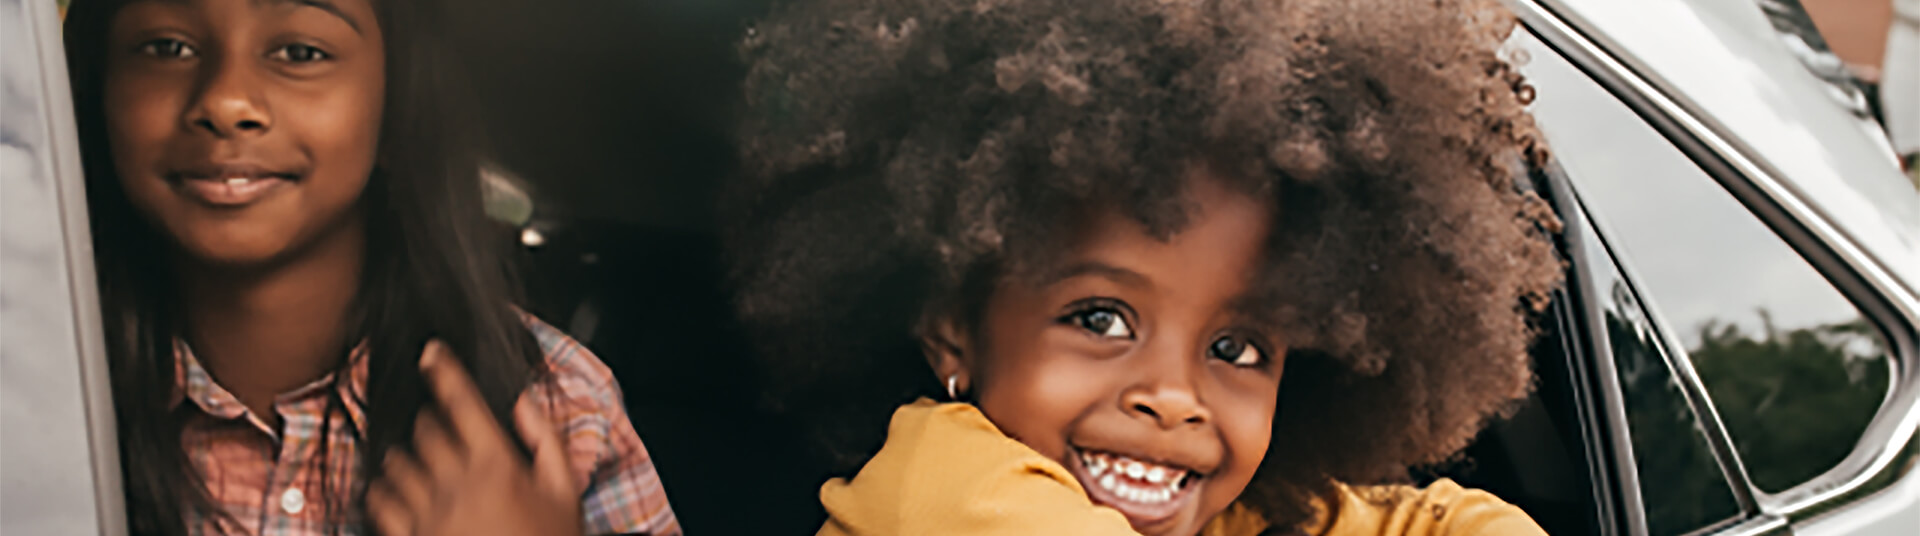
x: 1146, y: 492
x: 230, y: 188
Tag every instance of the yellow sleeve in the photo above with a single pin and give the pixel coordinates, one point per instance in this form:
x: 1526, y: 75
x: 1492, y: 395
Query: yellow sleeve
x: 946, y: 470
x: 1441, y: 509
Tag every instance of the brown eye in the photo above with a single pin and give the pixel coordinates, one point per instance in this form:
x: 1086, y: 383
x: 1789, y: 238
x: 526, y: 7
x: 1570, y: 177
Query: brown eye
x: 1234, y: 350
x: 168, y: 48
x: 298, y: 53
x: 1104, y: 321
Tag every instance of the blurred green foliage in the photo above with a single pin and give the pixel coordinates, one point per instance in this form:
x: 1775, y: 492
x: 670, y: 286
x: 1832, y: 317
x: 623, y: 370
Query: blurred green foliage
x: 1681, y: 486
x: 1795, y: 401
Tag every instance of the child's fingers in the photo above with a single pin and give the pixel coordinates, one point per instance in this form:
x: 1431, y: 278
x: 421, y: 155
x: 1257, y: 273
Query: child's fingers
x: 551, y: 467
x: 438, y: 450
x: 389, y: 514
x: 459, y: 399
x: 407, y: 479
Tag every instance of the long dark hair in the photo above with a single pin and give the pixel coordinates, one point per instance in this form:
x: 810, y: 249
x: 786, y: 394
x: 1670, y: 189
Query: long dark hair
x: 436, y: 268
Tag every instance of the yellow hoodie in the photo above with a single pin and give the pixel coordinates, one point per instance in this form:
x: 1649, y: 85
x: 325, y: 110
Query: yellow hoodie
x: 947, y: 470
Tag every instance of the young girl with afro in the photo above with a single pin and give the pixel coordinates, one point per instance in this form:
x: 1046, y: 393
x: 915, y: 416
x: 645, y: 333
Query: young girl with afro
x: 1179, y: 267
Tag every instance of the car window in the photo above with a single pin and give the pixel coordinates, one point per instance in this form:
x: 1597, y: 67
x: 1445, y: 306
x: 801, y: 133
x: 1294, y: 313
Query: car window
x: 1681, y: 484
x: 1791, y: 366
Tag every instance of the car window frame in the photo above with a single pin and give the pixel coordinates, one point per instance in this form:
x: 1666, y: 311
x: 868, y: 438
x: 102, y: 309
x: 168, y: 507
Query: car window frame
x: 1679, y: 364
x: 1881, y: 299
x: 1602, y: 414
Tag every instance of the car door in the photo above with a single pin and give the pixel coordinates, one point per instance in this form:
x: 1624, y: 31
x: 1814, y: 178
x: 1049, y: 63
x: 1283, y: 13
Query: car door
x: 59, y: 473
x: 1751, y: 381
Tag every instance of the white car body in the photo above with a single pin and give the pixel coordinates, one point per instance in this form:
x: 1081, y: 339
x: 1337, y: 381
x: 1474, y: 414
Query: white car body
x: 1719, y: 74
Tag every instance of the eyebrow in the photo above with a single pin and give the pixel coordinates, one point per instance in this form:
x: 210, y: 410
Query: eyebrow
x: 327, y: 6
x: 1100, y: 269
x: 1251, y: 307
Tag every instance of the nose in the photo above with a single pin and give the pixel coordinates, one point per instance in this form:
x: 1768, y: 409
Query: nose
x: 230, y: 103
x: 1166, y: 393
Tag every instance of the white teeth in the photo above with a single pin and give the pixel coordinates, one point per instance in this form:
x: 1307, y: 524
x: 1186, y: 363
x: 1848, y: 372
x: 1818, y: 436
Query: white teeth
x: 1143, y: 483
x: 238, y: 181
x: 1139, y: 495
x: 1157, y: 475
x: 1095, y: 465
x: 1136, y: 494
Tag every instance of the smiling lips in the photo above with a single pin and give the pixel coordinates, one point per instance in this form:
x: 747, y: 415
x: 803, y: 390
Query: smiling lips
x: 1146, y: 492
x: 231, y: 188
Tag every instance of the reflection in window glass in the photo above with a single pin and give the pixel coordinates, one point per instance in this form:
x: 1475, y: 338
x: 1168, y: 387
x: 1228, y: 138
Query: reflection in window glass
x: 1792, y: 368
x: 1681, y: 484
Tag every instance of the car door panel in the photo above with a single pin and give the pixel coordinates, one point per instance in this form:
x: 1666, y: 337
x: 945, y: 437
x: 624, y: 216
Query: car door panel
x: 60, y: 473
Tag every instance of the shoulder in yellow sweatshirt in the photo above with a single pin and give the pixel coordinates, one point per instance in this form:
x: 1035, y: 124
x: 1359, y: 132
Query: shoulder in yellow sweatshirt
x: 947, y: 470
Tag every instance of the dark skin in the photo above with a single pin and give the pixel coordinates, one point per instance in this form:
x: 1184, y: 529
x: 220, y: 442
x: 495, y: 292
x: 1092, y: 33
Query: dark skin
x: 1138, y: 347
x: 464, y: 471
x: 246, y: 131
x: 277, y: 94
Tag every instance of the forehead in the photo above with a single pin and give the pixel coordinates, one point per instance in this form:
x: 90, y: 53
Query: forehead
x: 1217, y: 219
x: 357, y: 14
x: 1220, y: 246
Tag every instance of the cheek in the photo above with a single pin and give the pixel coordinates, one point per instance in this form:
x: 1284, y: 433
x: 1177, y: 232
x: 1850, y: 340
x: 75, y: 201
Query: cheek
x: 1036, y: 389
x: 1250, y: 435
x: 342, y: 131
x: 142, y: 114
x: 351, y: 114
x: 1246, y: 425
x: 344, y: 148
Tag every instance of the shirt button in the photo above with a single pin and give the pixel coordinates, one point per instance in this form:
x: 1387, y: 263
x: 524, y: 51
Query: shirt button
x: 293, y: 501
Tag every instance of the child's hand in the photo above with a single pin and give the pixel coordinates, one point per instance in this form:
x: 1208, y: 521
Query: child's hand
x: 465, y: 476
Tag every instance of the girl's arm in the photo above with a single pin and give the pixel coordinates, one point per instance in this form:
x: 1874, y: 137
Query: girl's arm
x: 946, y: 470
x: 1442, y: 508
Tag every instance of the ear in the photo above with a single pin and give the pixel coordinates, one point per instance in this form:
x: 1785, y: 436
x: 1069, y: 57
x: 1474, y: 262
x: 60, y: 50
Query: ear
x: 947, y: 346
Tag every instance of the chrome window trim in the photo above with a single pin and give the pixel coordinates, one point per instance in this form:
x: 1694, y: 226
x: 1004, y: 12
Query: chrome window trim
x: 1762, y: 525
x: 1888, y: 302
x: 1585, y: 252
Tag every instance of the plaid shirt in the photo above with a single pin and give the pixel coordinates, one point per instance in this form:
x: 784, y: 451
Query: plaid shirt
x: 270, y: 481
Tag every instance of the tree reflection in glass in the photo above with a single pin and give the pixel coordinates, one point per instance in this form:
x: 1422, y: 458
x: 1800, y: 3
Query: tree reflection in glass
x: 1795, y: 401
x: 1681, y: 485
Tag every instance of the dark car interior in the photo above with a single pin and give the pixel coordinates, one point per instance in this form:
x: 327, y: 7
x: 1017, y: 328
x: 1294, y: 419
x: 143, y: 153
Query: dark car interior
x: 617, y: 123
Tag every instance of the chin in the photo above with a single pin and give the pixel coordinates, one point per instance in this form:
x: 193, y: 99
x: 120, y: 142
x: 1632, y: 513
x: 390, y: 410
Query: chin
x: 238, y: 242
x: 1183, y: 530
x: 235, y: 256
x: 234, y: 250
